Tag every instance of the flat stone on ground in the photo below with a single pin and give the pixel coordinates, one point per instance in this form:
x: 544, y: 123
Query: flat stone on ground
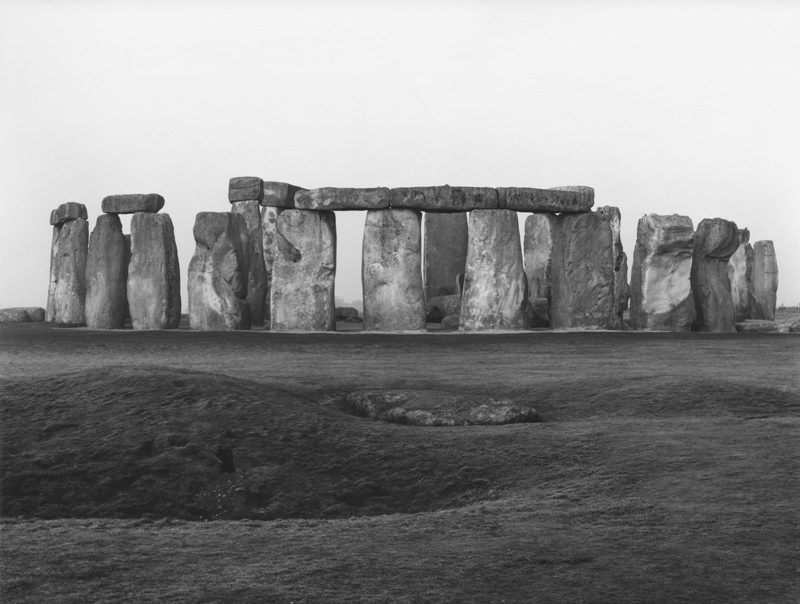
x: 130, y: 204
x: 445, y: 198
x: 22, y: 314
x: 334, y: 198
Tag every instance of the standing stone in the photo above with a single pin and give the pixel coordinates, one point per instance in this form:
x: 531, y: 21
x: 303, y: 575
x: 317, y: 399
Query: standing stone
x: 661, y: 290
x: 538, y: 251
x: 218, y: 275
x: 582, y: 273
x: 622, y: 292
x: 495, y: 287
x: 127, y: 264
x: 391, y: 272
x: 714, y: 242
x: 66, y: 298
x: 304, y: 271
x: 269, y: 224
x: 154, y: 291
x: 446, y: 238
x: 740, y: 274
x: 107, y: 275
x: 765, y: 280
x: 257, y: 285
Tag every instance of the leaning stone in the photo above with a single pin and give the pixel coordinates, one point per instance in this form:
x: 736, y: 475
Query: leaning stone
x: 107, y: 275
x: 218, y: 275
x: 333, y: 198
x: 257, y: 283
x: 445, y: 198
x: 582, y: 273
x: 558, y: 199
x: 243, y: 188
x: 443, y: 306
x: 622, y: 292
x: 279, y: 195
x: 714, y: 242
x: 130, y: 204
x: 446, y: 238
x: 392, y: 272
x: 66, y: 298
x: 661, y: 290
x: 22, y: 315
x: 740, y: 274
x: 304, y: 271
x: 269, y: 221
x: 67, y: 212
x: 495, y: 287
x: 154, y: 287
x: 765, y: 280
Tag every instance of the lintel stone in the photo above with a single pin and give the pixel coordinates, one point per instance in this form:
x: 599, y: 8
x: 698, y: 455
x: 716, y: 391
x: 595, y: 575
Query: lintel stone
x: 130, y: 204
x: 444, y: 198
x: 243, y: 188
x: 334, y: 198
x: 570, y: 199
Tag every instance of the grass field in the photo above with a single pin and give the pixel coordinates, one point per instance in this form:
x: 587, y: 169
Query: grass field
x: 666, y: 469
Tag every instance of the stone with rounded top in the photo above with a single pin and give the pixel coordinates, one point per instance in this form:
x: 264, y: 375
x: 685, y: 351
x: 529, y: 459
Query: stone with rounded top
x: 132, y: 203
x: 622, y: 292
x: 715, y: 241
x: 107, y: 275
x: 31, y: 314
x: 335, y: 198
x: 242, y: 188
x: 66, y: 298
x: 765, y: 280
x: 569, y: 199
x: 67, y: 212
x: 444, y: 198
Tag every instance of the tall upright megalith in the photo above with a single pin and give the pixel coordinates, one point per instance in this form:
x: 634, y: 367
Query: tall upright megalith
x: 391, y: 272
x: 446, y: 239
x: 537, y: 252
x: 622, y: 292
x: 218, y: 280
x: 154, y: 292
x: 740, y: 274
x: 582, y: 273
x: 495, y: 287
x: 66, y: 296
x: 661, y: 289
x: 304, y: 271
x: 715, y: 241
x: 765, y: 280
x: 257, y: 284
x: 107, y: 275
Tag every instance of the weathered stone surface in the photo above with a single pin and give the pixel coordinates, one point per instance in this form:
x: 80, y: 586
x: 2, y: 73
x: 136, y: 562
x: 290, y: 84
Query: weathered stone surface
x: 445, y: 198
x: 537, y: 252
x: 130, y: 204
x: 279, y: 194
x: 154, y: 287
x: 303, y: 272
x: 435, y: 408
x: 622, y: 292
x: 257, y: 282
x: 661, y: 290
x: 22, y: 315
x: 765, y: 326
x: 540, y: 312
x: 269, y: 223
x: 345, y: 312
x: 495, y: 287
x: 557, y: 199
x: 243, y: 188
x: 441, y: 307
x: 715, y: 241
x: 392, y: 272
x: 127, y: 263
x: 446, y: 238
x: 67, y: 212
x: 107, y: 275
x: 451, y: 322
x: 333, y: 198
x: 582, y: 273
x: 740, y: 274
x: 218, y: 274
x: 765, y: 280
x: 66, y: 298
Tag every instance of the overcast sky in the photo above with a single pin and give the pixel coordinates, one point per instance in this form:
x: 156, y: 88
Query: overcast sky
x: 690, y: 108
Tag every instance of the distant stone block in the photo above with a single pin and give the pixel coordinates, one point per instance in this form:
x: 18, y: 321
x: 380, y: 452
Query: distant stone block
x: 22, y: 315
x: 333, y: 198
x: 279, y: 195
x: 765, y: 280
x: 558, y: 199
x: 67, y: 212
x: 243, y: 188
x: 444, y: 198
x: 130, y: 204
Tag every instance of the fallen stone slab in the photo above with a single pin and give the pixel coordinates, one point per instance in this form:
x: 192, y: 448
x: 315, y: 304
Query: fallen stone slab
x: 257, y: 282
x: 740, y: 274
x: 765, y: 280
x: 444, y: 198
x: 715, y: 241
x: 446, y: 240
x: 334, y: 198
x: 31, y: 314
x: 279, y: 194
x: 434, y: 408
x: 391, y: 275
x: 130, y: 204
x: 243, y: 188
x: 107, y: 275
x: 66, y: 297
x: 661, y: 289
x: 764, y: 326
x: 441, y: 307
x: 495, y: 287
x: 558, y: 199
x: 67, y: 212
